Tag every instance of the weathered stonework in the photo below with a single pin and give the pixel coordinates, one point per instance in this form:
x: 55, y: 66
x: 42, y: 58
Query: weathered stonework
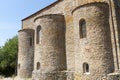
x: 96, y: 49
x: 51, y: 46
x: 26, y: 53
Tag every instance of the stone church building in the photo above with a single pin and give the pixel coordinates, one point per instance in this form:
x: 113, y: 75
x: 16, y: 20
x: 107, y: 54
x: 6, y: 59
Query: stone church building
x: 71, y: 40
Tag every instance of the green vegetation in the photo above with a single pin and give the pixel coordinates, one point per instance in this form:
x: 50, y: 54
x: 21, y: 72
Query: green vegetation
x: 8, y: 57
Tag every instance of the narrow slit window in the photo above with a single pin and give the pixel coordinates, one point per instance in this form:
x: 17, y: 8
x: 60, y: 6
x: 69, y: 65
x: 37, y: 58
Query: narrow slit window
x: 30, y: 41
x: 38, y: 65
x: 82, y: 28
x: 18, y: 66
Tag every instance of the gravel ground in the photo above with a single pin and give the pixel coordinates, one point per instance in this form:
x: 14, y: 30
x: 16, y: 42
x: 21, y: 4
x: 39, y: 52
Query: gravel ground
x: 15, y: 78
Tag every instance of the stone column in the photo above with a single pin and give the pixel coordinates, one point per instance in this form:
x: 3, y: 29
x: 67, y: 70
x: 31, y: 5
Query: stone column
x: 95, y: 49
x: 26, y: 53
x: 51, y: 52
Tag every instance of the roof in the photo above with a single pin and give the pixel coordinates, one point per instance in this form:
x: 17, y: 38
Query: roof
x: 47, y: 7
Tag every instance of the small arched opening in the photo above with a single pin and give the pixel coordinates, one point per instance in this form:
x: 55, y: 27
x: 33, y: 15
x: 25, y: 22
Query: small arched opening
x: 86, y: 68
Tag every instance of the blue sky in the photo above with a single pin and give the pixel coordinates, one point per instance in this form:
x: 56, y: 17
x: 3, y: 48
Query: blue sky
x: 13, y: 11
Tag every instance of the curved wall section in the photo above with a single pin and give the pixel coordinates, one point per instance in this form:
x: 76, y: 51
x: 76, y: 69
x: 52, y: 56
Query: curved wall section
x: 96, y: 48
x: 52, y: 46
x: 26, y: 53
x: 83, y: 2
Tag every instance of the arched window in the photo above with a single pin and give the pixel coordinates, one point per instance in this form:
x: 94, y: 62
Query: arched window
x: 82, y: 28
x: 38, y: 34
x: 38, y: 65
x: 85, y: 68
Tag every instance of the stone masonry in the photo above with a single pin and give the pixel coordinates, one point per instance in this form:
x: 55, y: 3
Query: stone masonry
x: 71, y: 40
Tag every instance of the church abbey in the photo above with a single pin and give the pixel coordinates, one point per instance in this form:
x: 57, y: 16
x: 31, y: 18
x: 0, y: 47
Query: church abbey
x: 71, y: 40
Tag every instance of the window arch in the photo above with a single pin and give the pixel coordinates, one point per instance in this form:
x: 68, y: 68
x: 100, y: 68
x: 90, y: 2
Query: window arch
x: 85, y: 68
x: 82, y: 28
x: 38, y: 66
x: 38, y: 34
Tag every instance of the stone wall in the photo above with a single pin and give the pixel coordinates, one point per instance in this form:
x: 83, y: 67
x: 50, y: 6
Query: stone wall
x: 49, y: 76
x: 64, y: 7
x: 54, y: 9
x: 118, y: 31
x: 96, y: 48
x: 68, y: 7
x: 26, y: 53
x: 83, y: 2
x: 52, y: 53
